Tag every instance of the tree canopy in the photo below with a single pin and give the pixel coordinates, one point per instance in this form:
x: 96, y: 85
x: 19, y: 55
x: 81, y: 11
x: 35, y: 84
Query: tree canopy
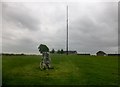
x: 52, y: 51
x: 43, y: 48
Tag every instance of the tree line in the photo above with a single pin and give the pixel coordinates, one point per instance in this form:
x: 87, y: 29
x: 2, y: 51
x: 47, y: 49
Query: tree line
x: 59, y: 51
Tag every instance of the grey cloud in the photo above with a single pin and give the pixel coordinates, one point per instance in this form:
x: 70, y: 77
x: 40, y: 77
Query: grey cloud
x: 90, y: 30
x: 0, y: 28
x: 90, y: 34
x: 20, y: 16
x: 24, y: 45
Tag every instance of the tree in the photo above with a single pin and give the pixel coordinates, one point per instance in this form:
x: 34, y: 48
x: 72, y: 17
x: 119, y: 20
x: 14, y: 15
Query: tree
x: 43, y: 48
x: 58, y: 51
x: 52, y: 51
x: 61, y: 51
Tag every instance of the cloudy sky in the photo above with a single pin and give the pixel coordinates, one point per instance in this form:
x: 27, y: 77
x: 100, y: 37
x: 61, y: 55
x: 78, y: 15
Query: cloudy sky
x: 93, y: 26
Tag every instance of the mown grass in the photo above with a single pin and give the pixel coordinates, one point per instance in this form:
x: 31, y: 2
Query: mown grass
x: 68, y: 70
x: 0, y: 70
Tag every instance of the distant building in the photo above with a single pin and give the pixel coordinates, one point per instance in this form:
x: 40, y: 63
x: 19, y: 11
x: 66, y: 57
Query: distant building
x: 101, y: 53
x: 71, y: 52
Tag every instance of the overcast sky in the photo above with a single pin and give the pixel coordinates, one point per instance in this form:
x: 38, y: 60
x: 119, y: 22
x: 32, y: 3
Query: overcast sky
x: 93, y: 26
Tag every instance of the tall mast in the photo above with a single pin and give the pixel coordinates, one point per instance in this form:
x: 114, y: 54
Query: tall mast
x: 67, y: 32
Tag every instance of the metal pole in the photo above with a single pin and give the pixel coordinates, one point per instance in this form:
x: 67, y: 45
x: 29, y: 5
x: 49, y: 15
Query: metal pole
x: 67, y: 33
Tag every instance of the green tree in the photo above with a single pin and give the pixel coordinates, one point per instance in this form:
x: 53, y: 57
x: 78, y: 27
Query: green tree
x: 43, y: 48
x: 58, y: 51
x: 61, y: 51
x: 52, y: 51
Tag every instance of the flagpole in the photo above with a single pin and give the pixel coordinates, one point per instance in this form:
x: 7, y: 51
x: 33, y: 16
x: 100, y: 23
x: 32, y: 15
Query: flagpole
x: 67, y: 32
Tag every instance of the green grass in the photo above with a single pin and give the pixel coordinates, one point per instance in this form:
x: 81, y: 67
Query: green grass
x: 68, y: 70
x: 0, y: 70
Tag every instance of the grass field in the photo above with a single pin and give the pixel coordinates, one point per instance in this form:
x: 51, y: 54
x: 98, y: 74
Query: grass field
x: 68, y: 70
x: 0, y: 70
